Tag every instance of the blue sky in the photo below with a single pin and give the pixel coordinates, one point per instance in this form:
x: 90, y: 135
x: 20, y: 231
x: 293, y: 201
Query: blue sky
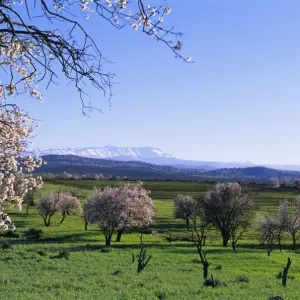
x: 240, y: 101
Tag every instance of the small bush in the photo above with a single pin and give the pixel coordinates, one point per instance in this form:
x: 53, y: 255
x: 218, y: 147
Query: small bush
x: 42, y: 253
x: 279, y: 276
x: 209, y: 282
x: 33, y: 234
x: 218, y: 267
x: 161, y: 295
x: 6, y: 245
x: 276, y: 298
x: 105, y: 250
x: 11, y: 234
x: 242, y: 278
x: 117, y: 272
x: 63, y: 253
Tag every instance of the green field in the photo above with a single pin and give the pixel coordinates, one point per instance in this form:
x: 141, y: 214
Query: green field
x: 33, y: 269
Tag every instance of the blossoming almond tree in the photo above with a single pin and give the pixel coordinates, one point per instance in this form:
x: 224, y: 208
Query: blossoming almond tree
x: 15, y: 128
x: 53, y: 203
x: 120, y: 207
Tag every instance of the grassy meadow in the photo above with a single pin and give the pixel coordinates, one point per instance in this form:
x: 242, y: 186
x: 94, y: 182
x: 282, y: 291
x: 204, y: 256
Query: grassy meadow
x: 67, y: 262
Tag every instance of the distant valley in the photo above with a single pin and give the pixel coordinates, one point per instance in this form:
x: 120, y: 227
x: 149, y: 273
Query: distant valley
x: 146, y: 171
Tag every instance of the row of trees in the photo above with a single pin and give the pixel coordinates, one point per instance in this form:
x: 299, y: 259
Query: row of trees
x: 275, y: 182
x: 76, y: 176
x: 228, y: 207
x: 285, y: 220
x: 112, y: 208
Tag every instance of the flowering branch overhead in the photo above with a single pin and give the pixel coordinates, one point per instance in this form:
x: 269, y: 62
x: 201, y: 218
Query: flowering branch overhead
x: 29, y: 53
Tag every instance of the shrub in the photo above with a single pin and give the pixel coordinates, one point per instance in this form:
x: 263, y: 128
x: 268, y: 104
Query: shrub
x: 242, y: 278
x: 63, y: 253
x: 117, y: 272
x: 218, y: 267
x: 212, y: 283
x: 11, y: 234
x: 279, y: 276
x: 105, y: 250
x: 42, y: 253
x: 161, y: 295
x: 33, y: 234
x: 6, y: 245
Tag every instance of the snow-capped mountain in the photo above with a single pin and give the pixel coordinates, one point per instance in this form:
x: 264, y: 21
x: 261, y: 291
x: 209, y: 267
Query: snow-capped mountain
x: 150, y: 155
x: 107, y: 152
x: 143, y: 154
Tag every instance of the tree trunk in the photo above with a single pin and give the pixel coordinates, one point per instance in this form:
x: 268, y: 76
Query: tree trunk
x: 27, y: 210
x: 119, y: 235
x: 86, y: 225
x: 233, y: 243
x: 280, y: 246
x: 294, y: 241
x: 213, y: 282
x: 48, y: 221
x: 285, y: 272
x: 107, y: 241
x: 205, y: 270
x: 63, y: 218
x: 204, y: 239
x: 225, y: 240
x: 187, y: 224
x: 203, y: 260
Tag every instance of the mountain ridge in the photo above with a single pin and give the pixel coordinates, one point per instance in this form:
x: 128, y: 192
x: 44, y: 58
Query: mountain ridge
x: 140, y: 170
x: 152, y: 155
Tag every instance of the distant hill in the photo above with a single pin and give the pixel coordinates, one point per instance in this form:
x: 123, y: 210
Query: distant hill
x: 151, y: 155
x: 257, y: 173
x: 142, y: 170
x: 143, y: 154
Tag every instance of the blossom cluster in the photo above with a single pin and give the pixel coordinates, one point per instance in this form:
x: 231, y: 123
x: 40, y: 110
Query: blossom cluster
x: 15, y: 56
x: 148, y: 18
x: 15, y: 129
x: 127, y: 205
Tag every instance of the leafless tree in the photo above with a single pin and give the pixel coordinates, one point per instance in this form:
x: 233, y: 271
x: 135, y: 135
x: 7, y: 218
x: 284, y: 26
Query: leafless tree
x: 199, y: 226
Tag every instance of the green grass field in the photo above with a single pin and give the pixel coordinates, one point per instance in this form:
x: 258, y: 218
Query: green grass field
x: 34, y: 269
